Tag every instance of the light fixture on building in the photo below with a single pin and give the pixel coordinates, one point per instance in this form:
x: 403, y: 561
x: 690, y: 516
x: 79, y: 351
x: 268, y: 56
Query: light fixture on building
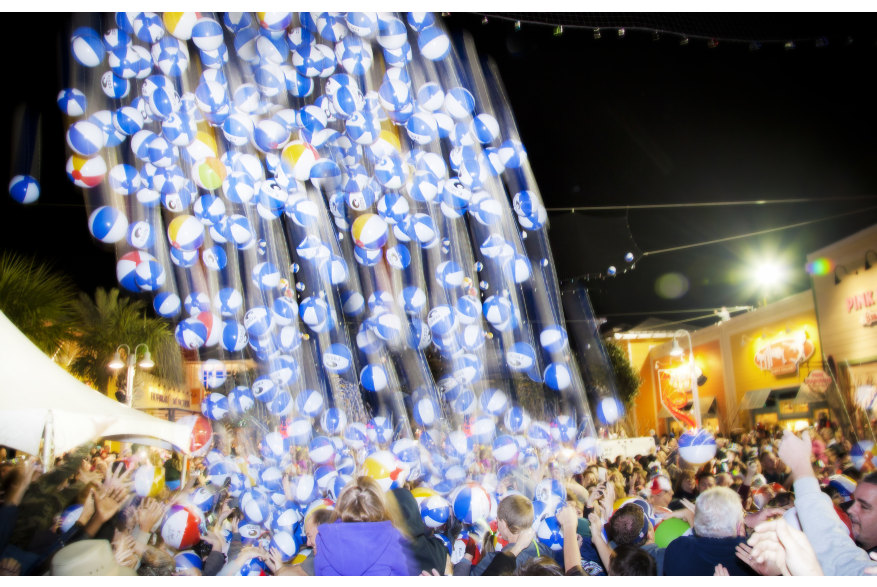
x: 147, y: 362
x: 836, y: 278
x: 117, y: 362
x: 867, y: 264
x: 676, y: 351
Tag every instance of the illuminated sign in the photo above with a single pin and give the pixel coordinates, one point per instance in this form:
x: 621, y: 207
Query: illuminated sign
x: 818, y: 380
x: 675, y: 386
x: 863, y: 301
x: 782, y: 356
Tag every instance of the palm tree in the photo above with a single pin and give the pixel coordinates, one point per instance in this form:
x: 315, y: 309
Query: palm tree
x: 38, y: 300
x: 108, y: 321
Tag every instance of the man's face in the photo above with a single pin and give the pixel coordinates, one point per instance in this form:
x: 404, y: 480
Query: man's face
x: 705, y: 483
x: 863, y: 515
x: 311, y: 533
x: 725, y: 480
x: 663, y: 499
x: 769, y: 460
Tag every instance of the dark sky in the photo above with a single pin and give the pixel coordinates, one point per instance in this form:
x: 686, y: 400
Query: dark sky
x: 606, y: 122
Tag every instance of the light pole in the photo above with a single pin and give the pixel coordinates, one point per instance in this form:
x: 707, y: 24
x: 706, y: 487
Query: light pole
x: 677, y: 351
x: 117, y: 363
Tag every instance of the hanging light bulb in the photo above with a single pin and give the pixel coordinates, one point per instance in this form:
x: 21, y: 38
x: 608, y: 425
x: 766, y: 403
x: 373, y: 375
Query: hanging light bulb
x: 517, y: 25
x: 676, y: 351
x: 620, y: 33
x: 597, y: 33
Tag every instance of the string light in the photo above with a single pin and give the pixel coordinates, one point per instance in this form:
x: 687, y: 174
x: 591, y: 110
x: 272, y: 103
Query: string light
x: 821, y: 42
x: 790, y: 45
x: 484, y: 20
x: 620, y: 33
x: 753, y: 46
x: 656, y: 36
x: 597, y: 34
x: 684, y: 41
x: 713, y: 43
x: 558, y: 31
x: 517, y: 25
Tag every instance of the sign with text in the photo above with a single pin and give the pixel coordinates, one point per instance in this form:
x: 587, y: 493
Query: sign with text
x: 784, y: 354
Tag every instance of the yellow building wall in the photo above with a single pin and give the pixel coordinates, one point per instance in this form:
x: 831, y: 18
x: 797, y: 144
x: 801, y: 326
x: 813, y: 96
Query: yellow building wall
x: 744, y: 346
x: 647, y: 405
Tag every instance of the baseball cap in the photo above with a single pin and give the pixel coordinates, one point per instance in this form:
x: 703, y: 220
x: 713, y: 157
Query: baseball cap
x: 658, y: 484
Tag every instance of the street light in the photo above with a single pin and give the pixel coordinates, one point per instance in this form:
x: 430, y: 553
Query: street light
x: 677, y: 351
x: 117, y: 364
x: 769, y: 275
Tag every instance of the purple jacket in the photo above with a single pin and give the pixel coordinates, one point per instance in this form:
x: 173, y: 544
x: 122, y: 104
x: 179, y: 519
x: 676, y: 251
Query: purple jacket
x: 359, y: 548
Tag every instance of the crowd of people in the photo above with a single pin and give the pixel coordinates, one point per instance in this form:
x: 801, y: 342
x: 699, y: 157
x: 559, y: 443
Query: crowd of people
x: 768, y: 503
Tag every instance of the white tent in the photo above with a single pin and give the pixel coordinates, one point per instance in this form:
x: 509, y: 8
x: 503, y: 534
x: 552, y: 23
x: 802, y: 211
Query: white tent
x: 32, y: 386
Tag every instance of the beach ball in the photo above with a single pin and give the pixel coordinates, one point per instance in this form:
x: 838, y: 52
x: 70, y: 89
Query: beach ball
x: 286, y: 544
x: 114, y: 86
x: 669, y: 530
x: 435, y: 511
x: 70, y: 516
x: 380, y: 430
x: 484, y: 128
x: 304, y: 489
x: 86, y: 173
x: 370, y: 232
x: 271, y: 478
x: 181, y: 24
x: 214, y: 406
x: 86, y: 138
x: 107, y: 224
x: 72, y: 102
x: 483, y: 430
x: 274, y: 446
x: 167, y: 304
x: 554, y: 339
x: 87, y: 47
x: 426, y: 412
x: 362, y: 23
x: 265, y: 276
x: 337, y: 358
x: 196, y: 303
x: 264, y: 389
x: 228, y: 302
x: 333, y: 421
x: 124, y: 179
x: 557, y: 376
x: 149, y: 275
x: 284, y: 310
x: 254, y: 505
x: 563, y: 428
x: 516, y: 420
x: 420, y: 20
x: 309, y: 403
x: 471, y: 503
x: 213, y: 373
x: 24, y: 189
x: 171, y: 56
x: 191, y: 333
x: 188, y: 559
x: 412, y: 299
x: 321, y: 450
x: 240, y: 399
x: 382, y: 466
x: 498, y: 311
x: 206, y: 34
x: 185, y: 233
x: 299, y: 430
x: 442, y: 320
x: 433, y: 43
x: 505, y: 449
x: 609, y: 410
x: 550, y: 533
x: 697, y: 446
x: 200, y: 433
x: 149, y: 480
x: 182, y: 527
x: 355, y: 435
x: 258, y: 321
x: 493, y: 402
x: 373, y: 377
x: 512, y: 154
x: 539, y: 434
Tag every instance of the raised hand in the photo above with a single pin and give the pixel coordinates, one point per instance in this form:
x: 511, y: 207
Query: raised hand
x: 721, y: 572
x: 765, y: 566
x: 788, y: 547
x: 150, y: 513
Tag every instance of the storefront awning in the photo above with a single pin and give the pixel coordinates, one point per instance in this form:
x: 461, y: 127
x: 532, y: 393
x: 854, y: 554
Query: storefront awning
x: 664, y: 413
x: 807, y: 396
x: 755, y: 399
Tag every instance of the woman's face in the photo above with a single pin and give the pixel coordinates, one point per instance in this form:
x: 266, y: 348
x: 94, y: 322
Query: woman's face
x: 688, y: 485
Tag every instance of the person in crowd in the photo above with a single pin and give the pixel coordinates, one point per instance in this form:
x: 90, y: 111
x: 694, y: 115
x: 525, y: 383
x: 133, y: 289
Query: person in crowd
x: 514, y: 514
x: 718, y: 529
x: 660, y: 492
x: 630, y: 561
x: 629, y: 526
x: 360, y: 540
x: 686, y: 486
x: 311, y: 527
x: 827, y: 534
x: 173, y: 468
x: 424, y: 552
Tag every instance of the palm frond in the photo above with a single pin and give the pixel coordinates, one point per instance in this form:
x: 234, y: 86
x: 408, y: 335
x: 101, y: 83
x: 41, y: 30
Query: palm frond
x: 38, y: 300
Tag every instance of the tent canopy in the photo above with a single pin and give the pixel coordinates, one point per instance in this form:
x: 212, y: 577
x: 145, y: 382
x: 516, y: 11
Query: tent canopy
x: 32, y: 385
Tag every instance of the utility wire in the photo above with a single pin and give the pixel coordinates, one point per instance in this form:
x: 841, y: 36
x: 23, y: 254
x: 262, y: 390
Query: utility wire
x: 709, y: 204
x: 732, y: 309
x: 769, y: 230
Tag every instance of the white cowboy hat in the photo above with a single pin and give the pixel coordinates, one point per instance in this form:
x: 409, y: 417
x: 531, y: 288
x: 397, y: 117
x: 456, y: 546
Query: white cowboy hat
x: 88, y: 558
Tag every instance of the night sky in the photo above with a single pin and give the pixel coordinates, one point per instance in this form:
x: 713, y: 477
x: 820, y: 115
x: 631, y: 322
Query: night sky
x: 606, y: 122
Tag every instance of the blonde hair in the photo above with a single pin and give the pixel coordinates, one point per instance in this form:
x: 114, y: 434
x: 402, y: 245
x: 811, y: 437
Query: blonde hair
x: 516, y: 511
x: 361, y: 501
